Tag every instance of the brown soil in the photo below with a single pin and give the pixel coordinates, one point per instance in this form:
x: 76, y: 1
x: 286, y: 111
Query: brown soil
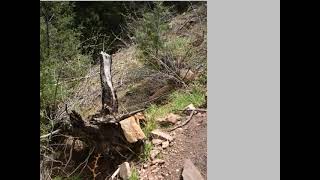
x: 190, y: 142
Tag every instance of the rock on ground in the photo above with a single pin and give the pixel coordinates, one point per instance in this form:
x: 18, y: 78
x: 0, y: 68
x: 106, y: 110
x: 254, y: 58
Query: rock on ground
x: 156, y: 142
x: 157, y: 161
x: 125, y: 171
x: 165, y: 144
x: 170, y: 119
x: 161, y: 135
x: 132, y: 130
x: 154, y: 153
x: 190, y: 171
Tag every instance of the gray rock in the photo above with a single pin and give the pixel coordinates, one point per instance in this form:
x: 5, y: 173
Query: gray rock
x: 170, y: 119
x: 125, y: 171
x: 161, y: 135
x: 154, y: 153
x: 165, y: 144
x: 156, y: 142
x: 179, y: 130
x: 190, y: 172
x: 171, y: 144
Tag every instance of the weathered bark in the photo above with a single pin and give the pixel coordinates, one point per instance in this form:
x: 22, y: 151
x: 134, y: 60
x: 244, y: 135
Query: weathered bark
x: 109, y: 97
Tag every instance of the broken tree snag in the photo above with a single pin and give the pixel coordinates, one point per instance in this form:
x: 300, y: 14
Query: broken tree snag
x: 109, y: 97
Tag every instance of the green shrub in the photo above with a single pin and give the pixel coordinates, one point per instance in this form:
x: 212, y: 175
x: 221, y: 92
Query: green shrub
x: 60, y: 57
x: 179, y: 46
x: 149, y: 35
x: 146, y: 151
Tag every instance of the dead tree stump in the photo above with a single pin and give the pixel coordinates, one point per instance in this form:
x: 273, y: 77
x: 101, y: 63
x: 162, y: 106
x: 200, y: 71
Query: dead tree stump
x: 103, y: 131
x: 109, y: 96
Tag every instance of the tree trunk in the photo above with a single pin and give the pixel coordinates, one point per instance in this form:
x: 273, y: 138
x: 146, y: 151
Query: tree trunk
x: 109, y: 97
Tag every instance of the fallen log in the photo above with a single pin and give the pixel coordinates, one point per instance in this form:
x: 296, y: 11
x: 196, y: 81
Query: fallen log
x: 107, y: 138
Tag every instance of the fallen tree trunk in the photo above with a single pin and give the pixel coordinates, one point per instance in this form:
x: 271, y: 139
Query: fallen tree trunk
x: 105, y: 136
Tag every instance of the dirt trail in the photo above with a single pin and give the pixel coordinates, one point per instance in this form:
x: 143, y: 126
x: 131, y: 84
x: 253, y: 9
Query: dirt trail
x: 190, y: 141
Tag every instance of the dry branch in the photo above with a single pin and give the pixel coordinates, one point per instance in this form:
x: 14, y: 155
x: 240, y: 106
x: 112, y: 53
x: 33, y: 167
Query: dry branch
x: 198, y: 110
x: 50, y: 134
x: 85, y: 161
x: 124, y: 116
x: 70, y: 154
x: 186, y: 122
x: 118, y: 38
x: 115, y: 174
x: 95, y: 166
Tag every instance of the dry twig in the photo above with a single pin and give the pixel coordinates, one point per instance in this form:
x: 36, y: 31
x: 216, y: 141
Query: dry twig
x: 50, y: 134
x: 115, y: 174
x: 85, y: 161
x: 186, y: 122
x: 199, y: 110
x: 70, y: 154
x: 95, y: 165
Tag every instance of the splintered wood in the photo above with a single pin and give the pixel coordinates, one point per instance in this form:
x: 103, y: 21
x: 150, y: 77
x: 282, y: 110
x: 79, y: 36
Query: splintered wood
x: 109, y: 97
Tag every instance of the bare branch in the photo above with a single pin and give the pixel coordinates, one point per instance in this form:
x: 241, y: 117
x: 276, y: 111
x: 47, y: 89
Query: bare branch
x: 70, y: 154
x: 186, y: 122
x: 118, y: 38
x: 95, y: 165
x: 85, y: 161
x: 53, y: 132
x: 115, y: 173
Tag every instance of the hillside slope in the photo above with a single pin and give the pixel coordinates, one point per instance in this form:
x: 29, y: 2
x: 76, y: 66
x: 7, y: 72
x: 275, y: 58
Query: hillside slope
x: 135, y: 83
